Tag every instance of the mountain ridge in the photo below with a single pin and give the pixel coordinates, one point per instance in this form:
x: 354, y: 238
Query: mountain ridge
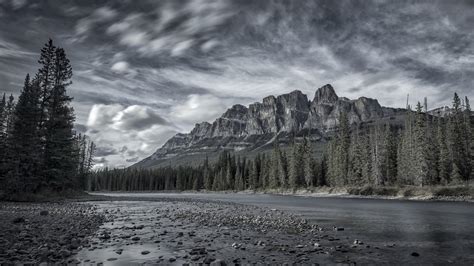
x: 242, y: 128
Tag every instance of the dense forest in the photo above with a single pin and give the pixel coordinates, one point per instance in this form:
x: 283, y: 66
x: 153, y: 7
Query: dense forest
x: 40, y: 151
x: 426, y: 150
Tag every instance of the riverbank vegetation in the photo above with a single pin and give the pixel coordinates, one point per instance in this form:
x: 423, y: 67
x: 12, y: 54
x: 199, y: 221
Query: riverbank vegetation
x: 427, y: 151
x: 40, y: 151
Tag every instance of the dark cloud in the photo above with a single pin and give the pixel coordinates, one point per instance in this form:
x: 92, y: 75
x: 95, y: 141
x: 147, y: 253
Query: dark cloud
x: 105, y: 151
x: 101, y: 160
x: 132, y: 160
x: 144, y: 70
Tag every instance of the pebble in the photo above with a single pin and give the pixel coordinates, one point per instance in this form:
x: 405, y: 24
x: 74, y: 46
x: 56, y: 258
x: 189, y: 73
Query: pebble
x: 145, y: 252
x: 208, y: 260
x: 218, y: 263
x: 415, y: 254
x: 18, y: 220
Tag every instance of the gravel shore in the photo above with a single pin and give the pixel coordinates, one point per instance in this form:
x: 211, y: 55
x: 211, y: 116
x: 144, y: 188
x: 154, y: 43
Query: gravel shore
x: 32, y: 233
x: 179, y: 231
x: 172, y: 231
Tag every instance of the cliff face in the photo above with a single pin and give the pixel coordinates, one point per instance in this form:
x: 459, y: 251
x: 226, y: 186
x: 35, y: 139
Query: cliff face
x: 250, y: 128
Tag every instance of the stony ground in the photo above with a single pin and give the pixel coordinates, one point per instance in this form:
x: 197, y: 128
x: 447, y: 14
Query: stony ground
x: 179, y: 231
x: 193, y: 232
x: 45, y: 232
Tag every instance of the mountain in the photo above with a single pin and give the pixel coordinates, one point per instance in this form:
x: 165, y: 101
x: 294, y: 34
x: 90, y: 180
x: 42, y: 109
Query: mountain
x: 254, y: 128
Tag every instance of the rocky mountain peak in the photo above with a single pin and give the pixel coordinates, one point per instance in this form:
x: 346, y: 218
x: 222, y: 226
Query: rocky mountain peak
x: 244, y: 129
x: 325, y: 95
x: 237, y: 111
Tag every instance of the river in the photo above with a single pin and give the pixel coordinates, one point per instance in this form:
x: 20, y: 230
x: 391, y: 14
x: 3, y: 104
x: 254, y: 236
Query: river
x: 431, y: 228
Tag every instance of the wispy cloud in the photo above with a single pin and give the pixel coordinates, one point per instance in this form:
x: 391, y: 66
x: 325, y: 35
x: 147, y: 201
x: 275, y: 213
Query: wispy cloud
x: 145, y: 70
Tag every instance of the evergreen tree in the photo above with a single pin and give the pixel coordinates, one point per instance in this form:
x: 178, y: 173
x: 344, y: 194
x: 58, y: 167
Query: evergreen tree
x: 207, y: 175
x: 468, y: 139
x: 264, y: 172
x: 274, y: 166
x: 390, y: 155
x: 282, y: 169
x: 239, y: 180
x: 23, y: 142
x: 357, y: 163
x: 3, y: 137
x: 308, y: 165
x: 294, y: 166
x: 376, y: 177
x: 46, y: 78
x: 60, y: 155
x: 444, y: 161
x: 252, y: 174
x: 456, y: 142
x: 420, y: 164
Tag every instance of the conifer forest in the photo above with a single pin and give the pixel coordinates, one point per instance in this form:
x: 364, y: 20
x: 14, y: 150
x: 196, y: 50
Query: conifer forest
x: 427, y: 150
x: 41, y: 152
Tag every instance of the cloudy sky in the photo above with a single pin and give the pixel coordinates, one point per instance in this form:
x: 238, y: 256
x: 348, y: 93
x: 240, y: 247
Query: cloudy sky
x: 144, y: 70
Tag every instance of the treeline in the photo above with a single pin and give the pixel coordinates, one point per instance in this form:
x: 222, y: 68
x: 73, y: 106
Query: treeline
x: 39, y: 148
x: 282, y: 168
x: 426, y: 150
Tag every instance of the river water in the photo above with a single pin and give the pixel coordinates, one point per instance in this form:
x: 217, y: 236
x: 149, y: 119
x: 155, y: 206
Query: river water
x: 430, y: 228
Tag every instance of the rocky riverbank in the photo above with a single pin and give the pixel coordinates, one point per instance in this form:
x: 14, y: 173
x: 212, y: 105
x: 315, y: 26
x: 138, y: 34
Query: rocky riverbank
x: 179, y: 231
x: 168, y: 230
x: 32, y: 233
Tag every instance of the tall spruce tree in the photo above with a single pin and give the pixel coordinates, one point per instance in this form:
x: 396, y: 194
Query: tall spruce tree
x: 308, y: 164
x: 294, y: 166
x: 444, y: 160
x: 456, y: 141
x: 421, y: 164
x: 468, y: 139
x: 390, y: 155
x: 344, y: 141
x: 274, y: 166
x: 60, y: 154
x: 24, y: 142
x: 3, y: 137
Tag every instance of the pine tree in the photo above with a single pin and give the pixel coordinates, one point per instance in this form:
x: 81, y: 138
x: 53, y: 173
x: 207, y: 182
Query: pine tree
x: 357, y: 163
x: 282, y: 169
x: 3, y: 138
x: 239, y: 180
x: 421, y: 163
x: 23, y: 142
x: 46, y: 77
x: 456, y: 141
x: 468, y: 139
x: 207, y: 175
x: 444, y: 161
x: 252, y: 174
x: 274, y: 166
x: 229, y: 178
x: 377, y: 152
x: 308, y: 165
x: 390, y: 155
x: 59, y: 140
x: 405, y: 170
x: 264, y: 172
x: 294, y: 166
